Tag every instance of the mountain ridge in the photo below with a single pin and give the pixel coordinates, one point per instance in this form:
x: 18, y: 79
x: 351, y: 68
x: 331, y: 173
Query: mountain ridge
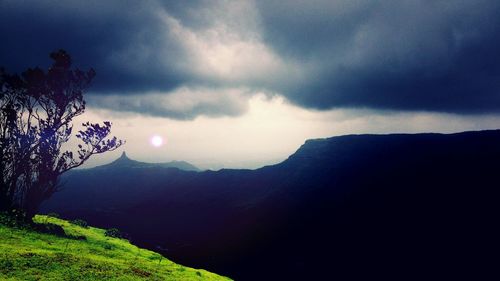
x: 125, y: 162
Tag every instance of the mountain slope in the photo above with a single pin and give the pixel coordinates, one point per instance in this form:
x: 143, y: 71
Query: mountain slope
x: 29, y: 255
x: 383, y: 204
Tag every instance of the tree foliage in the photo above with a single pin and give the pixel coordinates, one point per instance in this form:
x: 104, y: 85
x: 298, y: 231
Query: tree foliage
x: 37, y: 109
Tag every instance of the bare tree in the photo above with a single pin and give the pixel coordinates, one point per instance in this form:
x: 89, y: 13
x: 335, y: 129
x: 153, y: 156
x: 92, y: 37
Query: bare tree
x: 36, y: 113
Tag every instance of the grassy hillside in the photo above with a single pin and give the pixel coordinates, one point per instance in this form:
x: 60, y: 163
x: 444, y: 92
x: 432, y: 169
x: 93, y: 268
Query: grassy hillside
x: 29, y: 255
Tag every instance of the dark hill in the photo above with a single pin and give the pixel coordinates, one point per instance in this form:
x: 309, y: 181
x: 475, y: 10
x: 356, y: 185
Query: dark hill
x: 402, y: 206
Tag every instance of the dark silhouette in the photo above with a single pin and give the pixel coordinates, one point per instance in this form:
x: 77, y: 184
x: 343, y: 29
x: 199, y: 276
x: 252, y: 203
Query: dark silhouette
x: 125, y: 162
x: 400, y: 206
x: 36, y: 113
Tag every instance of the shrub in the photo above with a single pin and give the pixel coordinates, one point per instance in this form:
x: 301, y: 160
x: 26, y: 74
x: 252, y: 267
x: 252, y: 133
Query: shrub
x: 50, y: 228
x: 14, y: 218
x: 113, y: 232
x: 81, y: 223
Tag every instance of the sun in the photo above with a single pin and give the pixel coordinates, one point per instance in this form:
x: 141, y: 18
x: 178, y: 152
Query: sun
x: 157, y: 141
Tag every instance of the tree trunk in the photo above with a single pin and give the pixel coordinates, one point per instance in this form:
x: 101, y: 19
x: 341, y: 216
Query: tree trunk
x: 5, y: 204
x: 31, y: 210
x: 38, y: 193
x: 32, y: 202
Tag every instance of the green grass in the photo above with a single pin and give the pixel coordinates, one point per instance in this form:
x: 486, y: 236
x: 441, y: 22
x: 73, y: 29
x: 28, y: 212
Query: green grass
x: 29, y: 255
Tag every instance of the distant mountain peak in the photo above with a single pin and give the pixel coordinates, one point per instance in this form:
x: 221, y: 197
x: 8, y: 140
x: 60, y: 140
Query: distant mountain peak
x: 124, y: 156
x: 125, y: 162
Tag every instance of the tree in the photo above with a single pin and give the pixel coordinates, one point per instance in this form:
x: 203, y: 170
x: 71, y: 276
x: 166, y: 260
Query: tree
x: 36, y: 113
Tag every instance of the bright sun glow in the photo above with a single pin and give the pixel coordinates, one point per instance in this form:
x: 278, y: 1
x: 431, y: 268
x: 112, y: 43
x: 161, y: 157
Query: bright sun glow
x: 156, y: 141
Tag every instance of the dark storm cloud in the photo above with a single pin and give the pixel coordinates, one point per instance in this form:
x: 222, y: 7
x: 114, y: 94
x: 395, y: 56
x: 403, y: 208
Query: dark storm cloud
x: 403, y: 55
x: 182, y: 104
x: 409, y: 55
x: 122, y: 40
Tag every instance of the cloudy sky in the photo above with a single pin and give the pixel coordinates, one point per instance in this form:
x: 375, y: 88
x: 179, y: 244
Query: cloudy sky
x: 245, y: 83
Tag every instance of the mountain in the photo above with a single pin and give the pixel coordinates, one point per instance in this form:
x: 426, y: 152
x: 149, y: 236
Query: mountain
x: 401, y: 206
x: 81, y: 253
x: 125, y: 162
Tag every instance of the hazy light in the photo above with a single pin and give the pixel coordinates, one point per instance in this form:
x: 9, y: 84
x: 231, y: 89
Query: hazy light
x: 271, y: 130
x: 156, y: 141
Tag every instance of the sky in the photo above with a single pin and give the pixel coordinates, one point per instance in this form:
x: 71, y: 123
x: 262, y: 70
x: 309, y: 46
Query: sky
x: 242, y: 84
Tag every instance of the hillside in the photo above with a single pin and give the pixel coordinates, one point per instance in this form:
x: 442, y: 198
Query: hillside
x: 29, y: 255
x: 380, y: 203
